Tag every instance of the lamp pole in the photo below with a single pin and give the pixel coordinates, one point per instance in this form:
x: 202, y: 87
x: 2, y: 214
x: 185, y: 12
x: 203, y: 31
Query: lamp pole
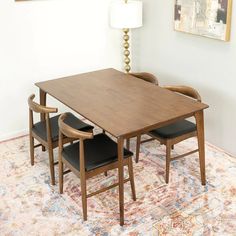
x: 126, y: 48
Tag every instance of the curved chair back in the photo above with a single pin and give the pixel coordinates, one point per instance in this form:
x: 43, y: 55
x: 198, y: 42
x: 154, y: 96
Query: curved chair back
x: 39, y: 108
x: 146, y: 76
x: 71, y: 132
x: 44, y: 111
x: 185, y: 90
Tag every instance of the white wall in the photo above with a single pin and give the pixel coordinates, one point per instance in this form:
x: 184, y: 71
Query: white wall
x: 45, y: 39
x: 179, y: 58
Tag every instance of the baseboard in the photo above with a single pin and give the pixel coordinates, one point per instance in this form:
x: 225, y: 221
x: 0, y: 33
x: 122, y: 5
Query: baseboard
x: 13, y: 135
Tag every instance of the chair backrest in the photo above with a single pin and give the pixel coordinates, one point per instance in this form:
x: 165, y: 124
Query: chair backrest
x: 185, y: 90
x: 71, y: 132
x: 146, y: 76
x: 39, y: 108
x: 33, y: 106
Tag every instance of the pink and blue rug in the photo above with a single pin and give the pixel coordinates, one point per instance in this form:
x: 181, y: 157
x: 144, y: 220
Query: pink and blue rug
x: 29, y: 205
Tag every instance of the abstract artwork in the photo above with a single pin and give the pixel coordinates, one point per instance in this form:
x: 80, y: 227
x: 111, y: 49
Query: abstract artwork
x: 209, y: 18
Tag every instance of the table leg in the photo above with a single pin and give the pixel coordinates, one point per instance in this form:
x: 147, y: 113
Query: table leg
x: 121, y: 179
x: 201, y: 144
x: 128, y: 143
x: 42, y: 97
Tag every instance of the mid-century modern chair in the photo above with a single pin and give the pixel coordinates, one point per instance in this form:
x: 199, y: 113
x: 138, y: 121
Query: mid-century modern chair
x: 47, y: 132
x: 176, y: 132
x: 92, y: 155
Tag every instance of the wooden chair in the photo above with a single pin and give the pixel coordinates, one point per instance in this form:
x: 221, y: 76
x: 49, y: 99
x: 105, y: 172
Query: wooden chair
x: 176, y: 132
x: 46, y: 132
x: 148, y: 77
x: 92, y: 155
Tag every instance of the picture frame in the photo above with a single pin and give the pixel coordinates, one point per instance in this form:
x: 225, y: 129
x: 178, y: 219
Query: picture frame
x: 208, y: 18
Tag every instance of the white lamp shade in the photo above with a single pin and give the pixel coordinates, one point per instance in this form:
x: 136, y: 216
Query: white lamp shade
x: 126, y: 15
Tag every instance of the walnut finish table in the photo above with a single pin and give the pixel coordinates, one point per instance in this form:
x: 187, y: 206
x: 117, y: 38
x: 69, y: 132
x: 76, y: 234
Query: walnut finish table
x: 125, y: 107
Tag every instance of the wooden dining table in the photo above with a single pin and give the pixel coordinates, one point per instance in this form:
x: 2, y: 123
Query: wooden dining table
x: 125, y: 107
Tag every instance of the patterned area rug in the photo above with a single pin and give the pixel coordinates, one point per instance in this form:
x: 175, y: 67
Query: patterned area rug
x: 29, y: 205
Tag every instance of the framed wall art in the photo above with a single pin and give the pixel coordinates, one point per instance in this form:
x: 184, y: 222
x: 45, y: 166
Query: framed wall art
x: 209, y: 18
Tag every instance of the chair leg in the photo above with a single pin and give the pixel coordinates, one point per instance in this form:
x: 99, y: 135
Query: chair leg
x: 138, y: 148
x: 61, y: 177
x: 105, y: 173
x: 128, y: 143
x: 51, y: 164
x: 84, y: 198
x: 131, y: 176
x: 168, y: 156
x: 31, y: 150
x: 172, y: 147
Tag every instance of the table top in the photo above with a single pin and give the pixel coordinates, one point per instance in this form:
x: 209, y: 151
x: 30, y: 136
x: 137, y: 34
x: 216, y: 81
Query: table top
x: 120, y: 103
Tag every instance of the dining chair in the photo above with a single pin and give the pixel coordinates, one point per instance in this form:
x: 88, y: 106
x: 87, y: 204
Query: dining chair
x: 172, y: 134
x: 47, y: 132
x: 92, y: 155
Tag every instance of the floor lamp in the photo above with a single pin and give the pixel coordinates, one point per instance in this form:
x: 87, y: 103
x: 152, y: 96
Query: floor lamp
x: 126, y: 14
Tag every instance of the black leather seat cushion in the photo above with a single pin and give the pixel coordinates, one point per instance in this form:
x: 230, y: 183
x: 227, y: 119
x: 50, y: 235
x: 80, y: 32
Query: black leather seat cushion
x: 99, y: 151
x: 174, y: 130
x: 40, y: 127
